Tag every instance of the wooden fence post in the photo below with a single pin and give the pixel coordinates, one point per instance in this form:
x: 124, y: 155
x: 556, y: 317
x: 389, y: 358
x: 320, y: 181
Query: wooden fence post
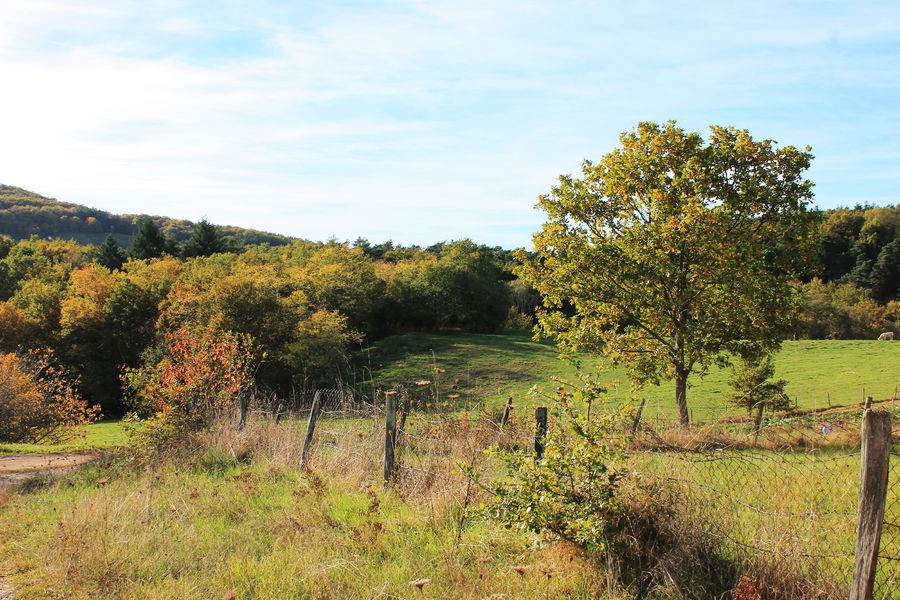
x: 405, y: 407
x: 876, y: 453
x: 506, y: 413
x: 540, y: 431
x: 390, y: 434
x: 637, y: 417
x: 244, y: 405
x: 310, y: 427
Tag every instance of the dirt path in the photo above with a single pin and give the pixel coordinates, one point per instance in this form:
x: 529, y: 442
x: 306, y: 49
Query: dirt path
x: 16, y: 469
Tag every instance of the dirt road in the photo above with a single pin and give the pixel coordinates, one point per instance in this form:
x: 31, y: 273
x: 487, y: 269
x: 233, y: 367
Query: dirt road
x: 16, y: 469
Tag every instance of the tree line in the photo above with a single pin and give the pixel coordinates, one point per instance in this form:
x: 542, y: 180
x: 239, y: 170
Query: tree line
x: 102, y: 310
x: 24, y: 213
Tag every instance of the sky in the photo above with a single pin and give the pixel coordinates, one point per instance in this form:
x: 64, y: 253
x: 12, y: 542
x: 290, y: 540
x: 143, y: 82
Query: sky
x: 419, y: 121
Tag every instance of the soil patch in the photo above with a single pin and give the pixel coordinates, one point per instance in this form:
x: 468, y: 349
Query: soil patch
x: 16, y: 469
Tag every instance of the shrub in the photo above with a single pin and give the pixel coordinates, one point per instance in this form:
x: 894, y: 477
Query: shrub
x: 570, y: 492
x: 755, y: 389
x: 38, y: 402
x: 198, y: 376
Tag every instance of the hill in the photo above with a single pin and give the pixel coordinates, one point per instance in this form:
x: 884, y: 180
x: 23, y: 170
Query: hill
x: 24, y: 213
x: 490, y: 368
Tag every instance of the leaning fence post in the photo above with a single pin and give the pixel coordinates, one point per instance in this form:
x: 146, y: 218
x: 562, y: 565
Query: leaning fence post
x: 637, y: 417
x: 310, y: 427
x: 506, y: 413
x: 390, y: 434
x: 540, y: 430
x: 876, y: 453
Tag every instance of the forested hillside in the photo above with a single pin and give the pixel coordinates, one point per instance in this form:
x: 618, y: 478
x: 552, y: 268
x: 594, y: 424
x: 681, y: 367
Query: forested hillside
x: 24, y: 213
x: 298, y: 309
x: 853, y: 290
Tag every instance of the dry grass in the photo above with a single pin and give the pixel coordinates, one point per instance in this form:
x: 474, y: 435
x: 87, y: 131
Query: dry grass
x: 233, y: 516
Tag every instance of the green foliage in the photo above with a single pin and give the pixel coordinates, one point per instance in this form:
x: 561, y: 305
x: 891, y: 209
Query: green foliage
x: 755, y: 389
x: 148, y: 242
x: 843, y: 311
x: 570, y: 492
x: 672, y: 251
x: 106, y: 321
x: 459, y: 285
x: 336, y: 277
x: 861, y: 245
x: 24, y: 214
x: 206, y: 239
x: 110, y: 254
x: 319, y: 354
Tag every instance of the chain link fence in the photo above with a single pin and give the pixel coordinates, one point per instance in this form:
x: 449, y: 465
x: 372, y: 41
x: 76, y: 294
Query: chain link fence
x: 782, y: 501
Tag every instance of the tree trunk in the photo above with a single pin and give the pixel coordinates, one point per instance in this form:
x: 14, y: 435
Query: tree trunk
x: 757, y: 422
x: 681, y: 376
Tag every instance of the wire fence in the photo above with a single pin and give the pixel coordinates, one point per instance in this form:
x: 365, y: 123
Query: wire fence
x: 782, y: 501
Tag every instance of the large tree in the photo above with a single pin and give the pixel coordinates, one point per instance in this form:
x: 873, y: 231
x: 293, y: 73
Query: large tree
x: 206, y: 239
x: 673, y: 252
x: 148, y: 241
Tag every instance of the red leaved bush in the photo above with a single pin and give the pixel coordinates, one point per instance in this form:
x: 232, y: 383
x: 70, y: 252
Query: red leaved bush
x: 199, y: 375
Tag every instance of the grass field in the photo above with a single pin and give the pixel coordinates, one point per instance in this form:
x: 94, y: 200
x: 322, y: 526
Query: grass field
x: 490, y: 368
x: 236, y: 518
x: 213, y: 524
x: 96, y: 436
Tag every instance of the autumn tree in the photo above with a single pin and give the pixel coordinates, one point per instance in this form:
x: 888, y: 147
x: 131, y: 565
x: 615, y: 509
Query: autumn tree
x: 198, y: 377
x: 38, y: 402
x: 673, y: 252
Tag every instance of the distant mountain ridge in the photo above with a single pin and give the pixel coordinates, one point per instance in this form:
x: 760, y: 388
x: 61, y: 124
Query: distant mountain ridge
x: 24, y: 213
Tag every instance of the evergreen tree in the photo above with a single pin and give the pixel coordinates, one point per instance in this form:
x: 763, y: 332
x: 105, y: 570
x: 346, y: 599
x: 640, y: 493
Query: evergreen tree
x: 754, y: 388
x: 206, y: 239
x: 110, y: 254
x: 148, y: 242
x: 886, y: 273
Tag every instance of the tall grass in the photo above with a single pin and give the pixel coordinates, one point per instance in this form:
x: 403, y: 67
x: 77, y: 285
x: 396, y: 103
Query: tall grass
x: 236, y: 518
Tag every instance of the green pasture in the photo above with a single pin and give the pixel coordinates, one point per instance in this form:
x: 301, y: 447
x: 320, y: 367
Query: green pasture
x: 490, y: 368
x: 96, y: 436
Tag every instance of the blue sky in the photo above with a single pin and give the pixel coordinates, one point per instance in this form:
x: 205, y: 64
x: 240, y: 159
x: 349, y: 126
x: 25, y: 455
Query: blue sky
x: 422, y: 121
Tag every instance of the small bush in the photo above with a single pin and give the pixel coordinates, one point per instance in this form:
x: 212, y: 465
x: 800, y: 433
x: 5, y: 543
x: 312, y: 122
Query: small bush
x: 196, y: 381
x: 38, y: 402
x: 197, y: 378
x: 570, y: 492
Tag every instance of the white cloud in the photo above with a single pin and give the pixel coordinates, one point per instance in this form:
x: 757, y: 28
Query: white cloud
x: 417, y: 118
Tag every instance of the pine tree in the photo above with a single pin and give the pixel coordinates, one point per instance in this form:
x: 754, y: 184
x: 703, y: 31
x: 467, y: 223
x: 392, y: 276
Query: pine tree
x: 754, y: 388
x: 206, y: 239
x: 148, y: 242
x: 110, y: 254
